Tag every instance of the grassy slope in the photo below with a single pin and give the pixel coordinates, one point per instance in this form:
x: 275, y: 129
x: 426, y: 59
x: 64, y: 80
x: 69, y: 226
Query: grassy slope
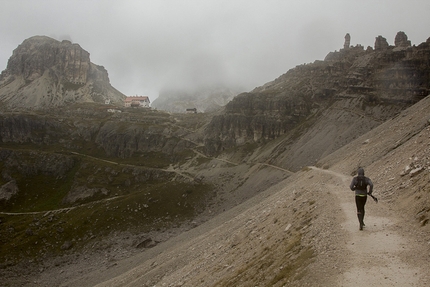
x: 127, y: 194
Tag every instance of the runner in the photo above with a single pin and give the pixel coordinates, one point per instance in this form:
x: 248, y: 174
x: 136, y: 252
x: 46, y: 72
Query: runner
x: 359, y: 185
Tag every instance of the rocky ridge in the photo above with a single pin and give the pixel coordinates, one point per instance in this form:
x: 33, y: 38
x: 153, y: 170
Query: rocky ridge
x: 352, y: 89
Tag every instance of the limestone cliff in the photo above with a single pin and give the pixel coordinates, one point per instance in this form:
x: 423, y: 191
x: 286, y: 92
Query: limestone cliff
x: 43, y: 72
x: 319, y: 107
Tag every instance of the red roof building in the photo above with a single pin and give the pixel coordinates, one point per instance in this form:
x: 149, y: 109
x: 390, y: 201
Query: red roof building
x: 137, y: 101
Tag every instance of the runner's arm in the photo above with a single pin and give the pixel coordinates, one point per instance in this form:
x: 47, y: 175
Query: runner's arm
x: 353, y: 183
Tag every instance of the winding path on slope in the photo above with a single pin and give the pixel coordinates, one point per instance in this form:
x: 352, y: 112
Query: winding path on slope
x: 372, y: 257
x: 381, y: 255
x: 374, y: 254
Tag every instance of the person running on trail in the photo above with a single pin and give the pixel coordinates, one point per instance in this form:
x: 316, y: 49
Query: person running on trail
x: 359, y: 185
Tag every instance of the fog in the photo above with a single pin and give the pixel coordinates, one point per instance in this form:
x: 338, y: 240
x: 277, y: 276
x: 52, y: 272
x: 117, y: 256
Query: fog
x: 149, y: 45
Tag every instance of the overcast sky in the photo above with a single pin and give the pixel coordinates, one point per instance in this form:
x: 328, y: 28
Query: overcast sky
x: 148, y: 45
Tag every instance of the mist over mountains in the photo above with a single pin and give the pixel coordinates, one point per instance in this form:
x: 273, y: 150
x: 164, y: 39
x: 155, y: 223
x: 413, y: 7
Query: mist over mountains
x: 204, y: 99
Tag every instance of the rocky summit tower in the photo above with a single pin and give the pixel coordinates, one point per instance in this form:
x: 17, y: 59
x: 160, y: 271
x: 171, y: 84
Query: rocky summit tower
x: 43, y: 72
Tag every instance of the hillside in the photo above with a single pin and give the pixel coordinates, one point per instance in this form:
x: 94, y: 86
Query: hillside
x: 303, y: 231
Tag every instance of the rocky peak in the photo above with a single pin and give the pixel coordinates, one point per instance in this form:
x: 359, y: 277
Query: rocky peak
x: 381, y: 43
x: 401, y: 40
x: 44, y: 72
x: 39, y: 53
x: 347, y: 41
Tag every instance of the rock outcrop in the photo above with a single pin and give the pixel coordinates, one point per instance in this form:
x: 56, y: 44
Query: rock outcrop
x: 8, y: 190
x: 43, y: 72
x: 347, y: 43
x: 401, y: 40
x: 381, y: 43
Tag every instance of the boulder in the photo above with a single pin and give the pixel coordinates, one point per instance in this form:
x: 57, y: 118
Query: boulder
x: 8, y: 190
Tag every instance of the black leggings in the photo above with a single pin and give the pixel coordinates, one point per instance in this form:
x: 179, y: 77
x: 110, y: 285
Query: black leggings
x: 360, y: 201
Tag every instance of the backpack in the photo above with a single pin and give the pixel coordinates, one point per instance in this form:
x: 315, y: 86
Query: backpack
x: 361, y: 183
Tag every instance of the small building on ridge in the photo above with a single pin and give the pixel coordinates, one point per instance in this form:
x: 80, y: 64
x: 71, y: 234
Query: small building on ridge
x: 137, y: 101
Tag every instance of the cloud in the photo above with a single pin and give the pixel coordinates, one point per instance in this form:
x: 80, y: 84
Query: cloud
x: 150, y: 44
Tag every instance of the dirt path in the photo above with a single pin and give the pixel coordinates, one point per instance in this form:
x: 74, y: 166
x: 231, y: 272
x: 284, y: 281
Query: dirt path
x: 376, y: 254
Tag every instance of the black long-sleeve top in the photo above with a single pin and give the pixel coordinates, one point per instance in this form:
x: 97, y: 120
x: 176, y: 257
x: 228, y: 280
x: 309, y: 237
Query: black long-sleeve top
x: 359, y: 190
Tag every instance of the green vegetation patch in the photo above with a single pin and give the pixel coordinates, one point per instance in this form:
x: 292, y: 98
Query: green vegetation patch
x: 152, y: 159
x: 202, y: 160
x: 155, y: 207
x: 37, y: 193
x: 42, y: 180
